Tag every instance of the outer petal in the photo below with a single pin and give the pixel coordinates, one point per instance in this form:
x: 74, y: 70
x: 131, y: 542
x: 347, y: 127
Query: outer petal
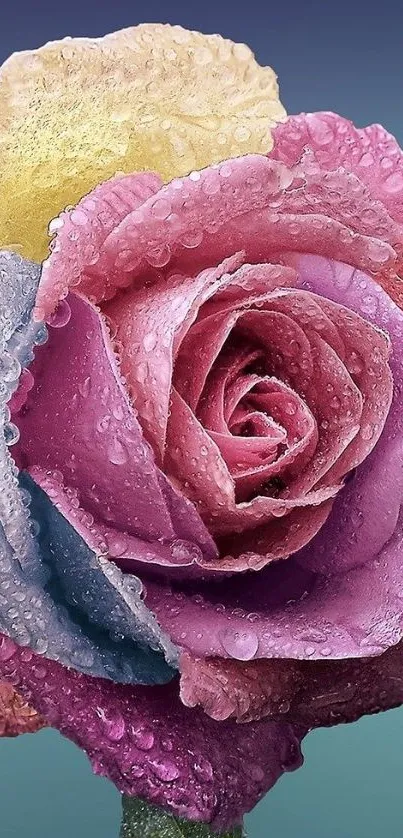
x: 98, y: 595
x: 294, y: 612
x: 152, y: 97
x: 371, y: 154
x: 333, y: 692
x: 153, y: 747
x: 378, y: 483
x: 242, y: 690
x: 253, y: 204
x: 31, y: 607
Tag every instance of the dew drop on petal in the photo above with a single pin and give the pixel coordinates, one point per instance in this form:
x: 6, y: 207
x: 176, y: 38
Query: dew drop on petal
x: 241, y: 645
x: 117, y: 454
x: 165, y: 770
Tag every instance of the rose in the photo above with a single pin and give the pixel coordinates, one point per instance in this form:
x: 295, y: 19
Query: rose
x: 277, y: 450
x: 74, y: 113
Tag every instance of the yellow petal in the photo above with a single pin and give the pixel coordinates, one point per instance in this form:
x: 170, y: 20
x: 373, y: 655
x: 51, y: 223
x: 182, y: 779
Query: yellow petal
x: 158, y: 97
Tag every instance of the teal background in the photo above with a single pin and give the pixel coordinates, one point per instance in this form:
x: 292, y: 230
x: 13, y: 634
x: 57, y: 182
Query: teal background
x: 348, y: 57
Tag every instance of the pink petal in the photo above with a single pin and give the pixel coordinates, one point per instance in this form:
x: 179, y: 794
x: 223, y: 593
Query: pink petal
x: 338, y: 417
x: 149, y: 324
x: 293, y: 415
x: 334, y: 692
x: 373, y: 157
x: 312, y: 693
x: 294, y: 612
x: 378, y: 483
x: 249, y: 203
x: 370, y: 153
x: 241, y: 690
x: 81, y: 232
x: 349, y: 609
x: 198, y: 464
x: 205, y: 341
x: 278, y: 210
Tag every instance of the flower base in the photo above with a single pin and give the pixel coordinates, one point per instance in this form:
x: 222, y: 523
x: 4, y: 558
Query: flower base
x: 142, y: 820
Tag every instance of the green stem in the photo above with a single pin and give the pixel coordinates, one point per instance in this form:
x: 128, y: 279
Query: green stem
x: 143, y: 820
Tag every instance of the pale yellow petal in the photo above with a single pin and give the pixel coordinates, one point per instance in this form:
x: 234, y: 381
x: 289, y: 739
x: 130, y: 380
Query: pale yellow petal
x: 155, y: 96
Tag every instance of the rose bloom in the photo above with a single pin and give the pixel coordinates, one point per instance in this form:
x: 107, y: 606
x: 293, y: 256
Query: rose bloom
x: 208, y: 431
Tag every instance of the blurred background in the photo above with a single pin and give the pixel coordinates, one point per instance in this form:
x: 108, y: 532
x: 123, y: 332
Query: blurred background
x: 345, y: 57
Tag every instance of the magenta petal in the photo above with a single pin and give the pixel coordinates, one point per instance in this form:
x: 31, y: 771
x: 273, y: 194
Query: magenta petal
x: 333, y: 692
x: 96, y: 441
x: 151, y: 746
x: 261, y: 206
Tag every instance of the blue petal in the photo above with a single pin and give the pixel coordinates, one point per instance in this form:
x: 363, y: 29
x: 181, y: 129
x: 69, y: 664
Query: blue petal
x: 100, y: 596
x: 38, y: 605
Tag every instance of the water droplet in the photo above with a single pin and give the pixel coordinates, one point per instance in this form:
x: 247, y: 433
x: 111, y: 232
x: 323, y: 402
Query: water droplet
x: 78, y: 217
x: 192, y: 237
x: 354, y: 364
x: 10, y: 368
x: 84, y: 388
x: 117, y: 454
x: 161, y: 208
x: 41, y: 335
x: 167, y: 744
x: 256, y: 773
x: 166, y: 771
x: 55, y: 225
x: 142, y: 738
x: 158, y: 256
x: 394, y: 183
x: 11, y: 433
x: 367, y: 432
x: 7, y: 649
x: 117, y: 545
x: 150, y: 341
x: 203, y: 770
x: 103, y: 423
x: 184, y: 551
x: 241, y: 645
x: 114, y: 725
x: 61, y: 316
x: 117, y: 411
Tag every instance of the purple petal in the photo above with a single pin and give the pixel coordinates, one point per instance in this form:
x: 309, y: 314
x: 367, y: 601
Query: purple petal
x: 153, y: 747
x: 341, y: 596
